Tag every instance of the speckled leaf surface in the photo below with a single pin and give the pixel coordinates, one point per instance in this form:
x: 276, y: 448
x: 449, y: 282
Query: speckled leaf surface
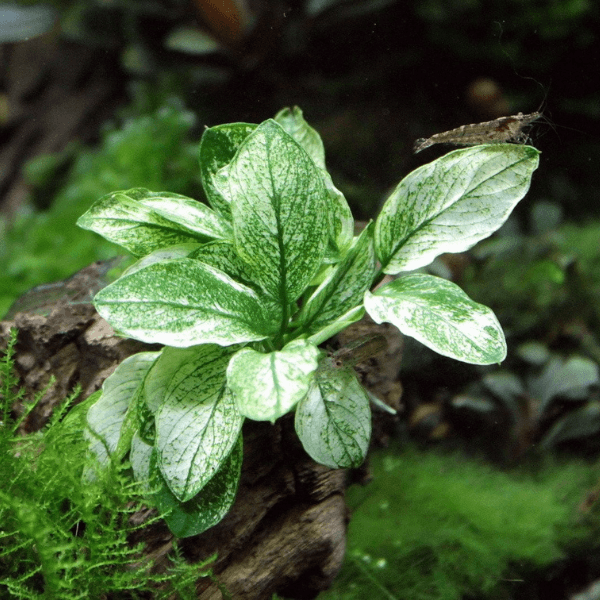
x: 441, y: 316
x: 451, y: 203
x: 197, y: 423
x: 107, y: 416
x: 294, y: 124
x: 205, y: 509
x: 142, y: 221
x: 344, y: 287
x: 268, y: 385
x: 341, y: 219
x: 333, y: 421
x: 280, y: 211
x: 217, y: 148
x: 184, y: 302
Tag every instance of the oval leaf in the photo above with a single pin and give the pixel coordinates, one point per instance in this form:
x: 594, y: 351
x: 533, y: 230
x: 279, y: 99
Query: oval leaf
x: 280, y: 211
x: 577, y: 424
x: 344, y: 287
x: 184, y: 302
x: 267, y: 386
x: 293, y: 123
x: 217, y: 149
x: 333, y: 421
x: 198, y: 423
x: 142, y: 221
x: 440, y: 315
x: 205, y: 509
x: 452, y: 203
x: 107, y: 416
x: 342, y: 222
x: 567, y: 378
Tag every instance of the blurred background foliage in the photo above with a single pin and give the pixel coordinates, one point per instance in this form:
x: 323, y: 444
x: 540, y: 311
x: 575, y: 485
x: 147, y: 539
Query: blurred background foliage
x: 371, y: 76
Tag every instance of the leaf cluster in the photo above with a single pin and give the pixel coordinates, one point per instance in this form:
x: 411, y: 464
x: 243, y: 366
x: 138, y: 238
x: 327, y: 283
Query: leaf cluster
x: 550, y: 404
x: 243, y: 291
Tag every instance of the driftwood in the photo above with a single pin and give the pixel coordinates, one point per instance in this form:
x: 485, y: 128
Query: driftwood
x: 286, y: 530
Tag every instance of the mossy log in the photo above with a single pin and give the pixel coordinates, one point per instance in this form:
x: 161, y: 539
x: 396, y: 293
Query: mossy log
x: 286, y: 531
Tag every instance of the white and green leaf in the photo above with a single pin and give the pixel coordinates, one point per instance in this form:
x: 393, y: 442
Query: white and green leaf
x: 217, y: 149
x: 168, y: 253
x: 352, y: 316
x: 205, y: 509
x: 197, y: 423
x: 344, y: 288
x: 293, y: 123
x: 342, y: 222
x: 142, y: 221
x: 267, y: 386
x: 280, y: 211
x: 223, y: 256
x: 184, y: 302
x: 333, y: 421
x: 441, y: 316
x: 451, y: 203
x: 111, y: 420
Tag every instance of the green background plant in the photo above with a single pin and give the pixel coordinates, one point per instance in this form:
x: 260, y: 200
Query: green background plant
x: 149, y: 149
x: 435, y: 525
x: 64, y: 536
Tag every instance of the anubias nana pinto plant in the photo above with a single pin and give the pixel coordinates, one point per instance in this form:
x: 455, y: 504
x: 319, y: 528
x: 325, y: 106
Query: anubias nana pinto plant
x: 242, y: 293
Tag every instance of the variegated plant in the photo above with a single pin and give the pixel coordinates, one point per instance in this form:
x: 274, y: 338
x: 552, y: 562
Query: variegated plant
x: 243, y: 292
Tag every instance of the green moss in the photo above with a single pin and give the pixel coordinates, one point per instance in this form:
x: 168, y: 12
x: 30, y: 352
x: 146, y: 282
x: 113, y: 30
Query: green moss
x: 65, y: 535
x: 434, y: 526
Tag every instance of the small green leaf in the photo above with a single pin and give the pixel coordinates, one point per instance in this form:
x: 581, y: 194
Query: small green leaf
x: 197, y: 424
x: 191, y: 40
x: 184, y: 302
x: 267, y: 386
x: 210, y: 505
x: 576, y: 424
x: 504, y: 385
x: 280, y: 211
x: 344, y: 287
x: 440, y: 315
x: 142, y: 221
x: 205, y: 509
x: 508, y: 388
x: 341, y: 221
x: 293, y: 123
x: 452, y: 203
x: 188, y: 213
x: 566, y: 378
x: 110, y: 428
x: 217, y: 149
x: 333, y: 421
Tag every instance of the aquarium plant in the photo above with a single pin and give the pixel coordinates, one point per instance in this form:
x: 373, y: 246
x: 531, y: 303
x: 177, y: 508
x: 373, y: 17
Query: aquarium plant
x: 242, y: 293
